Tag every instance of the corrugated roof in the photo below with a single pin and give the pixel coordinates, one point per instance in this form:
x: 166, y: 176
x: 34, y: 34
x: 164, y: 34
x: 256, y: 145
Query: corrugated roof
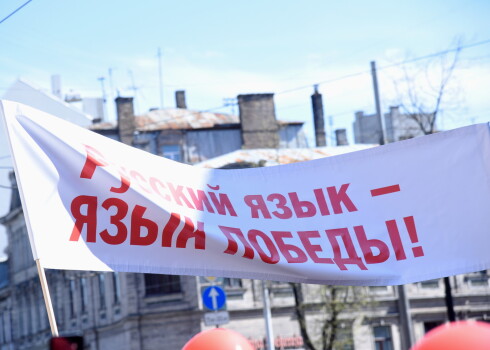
x: 175, y: 118
x: 180, y: 119
x: 269, y: 157
x: 103, y: 126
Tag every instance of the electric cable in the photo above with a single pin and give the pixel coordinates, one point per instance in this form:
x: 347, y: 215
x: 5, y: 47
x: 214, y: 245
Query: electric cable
x: 439, y: 53
x: 15, y: 11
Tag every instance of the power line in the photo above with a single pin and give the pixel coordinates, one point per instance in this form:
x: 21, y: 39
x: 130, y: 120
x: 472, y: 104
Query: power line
x: 324, y: 82
x: 6, y: 156
x: 6, y: 167
x: 440, y: 53
x: 15, y: 11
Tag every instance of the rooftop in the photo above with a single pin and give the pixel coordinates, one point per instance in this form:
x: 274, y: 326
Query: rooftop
x: 269, y: 157
x: 182, y: 119
x: 177, y: 118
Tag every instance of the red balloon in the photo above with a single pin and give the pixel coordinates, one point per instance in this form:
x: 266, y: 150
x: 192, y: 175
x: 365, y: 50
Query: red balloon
x: 460, y: 335
x: 218, y: 339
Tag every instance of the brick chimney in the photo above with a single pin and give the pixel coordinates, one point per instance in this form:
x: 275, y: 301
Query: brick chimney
x: 341, y: 137
x: 258, y: 121
x: 180, y: 99
x: 125, y: 119
x: 318, y: 120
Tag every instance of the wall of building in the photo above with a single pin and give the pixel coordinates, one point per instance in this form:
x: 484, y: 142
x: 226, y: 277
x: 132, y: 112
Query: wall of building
x: 398, y: 127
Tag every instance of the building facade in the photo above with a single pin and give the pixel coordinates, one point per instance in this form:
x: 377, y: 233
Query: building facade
x: 398, y: 126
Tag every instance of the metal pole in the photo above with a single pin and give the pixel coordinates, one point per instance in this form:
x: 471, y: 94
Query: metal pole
x: 378, y: 105
x: 47, y: 299
x: 267, y: 316
x: 448, y: 296
x: 160, y: 77
x: 405, y: 318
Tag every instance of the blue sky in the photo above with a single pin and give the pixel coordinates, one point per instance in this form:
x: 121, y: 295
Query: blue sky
x: 219, y: 49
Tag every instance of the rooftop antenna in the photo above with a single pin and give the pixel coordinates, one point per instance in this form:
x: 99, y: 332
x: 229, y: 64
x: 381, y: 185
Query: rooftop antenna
x: 101, y: 79
x: 133, y: 87
x: 160, y: 76
x: 230, y: 102
x: 111, y: 84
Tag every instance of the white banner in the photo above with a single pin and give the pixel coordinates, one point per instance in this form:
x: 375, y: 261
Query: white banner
x: 404, y: 212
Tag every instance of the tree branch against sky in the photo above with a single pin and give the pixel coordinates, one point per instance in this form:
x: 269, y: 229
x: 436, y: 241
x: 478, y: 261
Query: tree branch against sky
x: 428, y: 88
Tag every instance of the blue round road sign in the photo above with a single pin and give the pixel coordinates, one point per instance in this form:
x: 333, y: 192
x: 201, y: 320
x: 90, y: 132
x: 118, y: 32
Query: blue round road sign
x: 214, y: 298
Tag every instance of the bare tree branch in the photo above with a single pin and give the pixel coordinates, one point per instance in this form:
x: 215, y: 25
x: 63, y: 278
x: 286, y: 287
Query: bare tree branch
x: 421, y: 95
x: 301, y: 315
x: 335, y: 301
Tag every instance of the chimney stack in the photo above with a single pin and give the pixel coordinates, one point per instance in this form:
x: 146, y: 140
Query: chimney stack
x: 319, y: 121
x: 125, y: 119
x: 258, y: 121
x: 180, y: 99
x: 341, y: 137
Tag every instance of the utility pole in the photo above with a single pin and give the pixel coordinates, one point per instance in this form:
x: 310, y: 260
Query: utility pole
x: 267, y: 316
x: 160, y: 76
x: 403, y: 302
x: 378, y: 105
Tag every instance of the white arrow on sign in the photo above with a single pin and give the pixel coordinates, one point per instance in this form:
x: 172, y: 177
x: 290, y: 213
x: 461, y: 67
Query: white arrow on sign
x: 213, y: 294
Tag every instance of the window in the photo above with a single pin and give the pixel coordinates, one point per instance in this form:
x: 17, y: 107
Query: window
x: 2, y: 330
x: 43, y: 315
x: 156, y: 284
x: 71, y: 296
x: 20, y: 324
x: 232, y: 282
x: 116, y: 287
x: 84, y: 296
x: 379, y: 289
x: 428, y: 326
x: 35, y: 312
x: 382, y: 338
x: 430, y: 284
x: 102, y: 291
x: 171, y: 152
x: 21, y: 255
x: 477, y: 279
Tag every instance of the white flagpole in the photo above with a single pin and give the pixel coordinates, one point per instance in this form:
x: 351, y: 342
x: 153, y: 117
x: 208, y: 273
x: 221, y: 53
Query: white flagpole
x: 47, y: 299
x: 40, y: 269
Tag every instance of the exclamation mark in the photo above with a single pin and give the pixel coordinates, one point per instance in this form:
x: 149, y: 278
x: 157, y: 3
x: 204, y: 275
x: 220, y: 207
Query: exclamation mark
x: 412, y: 232
x: 395, y: 239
